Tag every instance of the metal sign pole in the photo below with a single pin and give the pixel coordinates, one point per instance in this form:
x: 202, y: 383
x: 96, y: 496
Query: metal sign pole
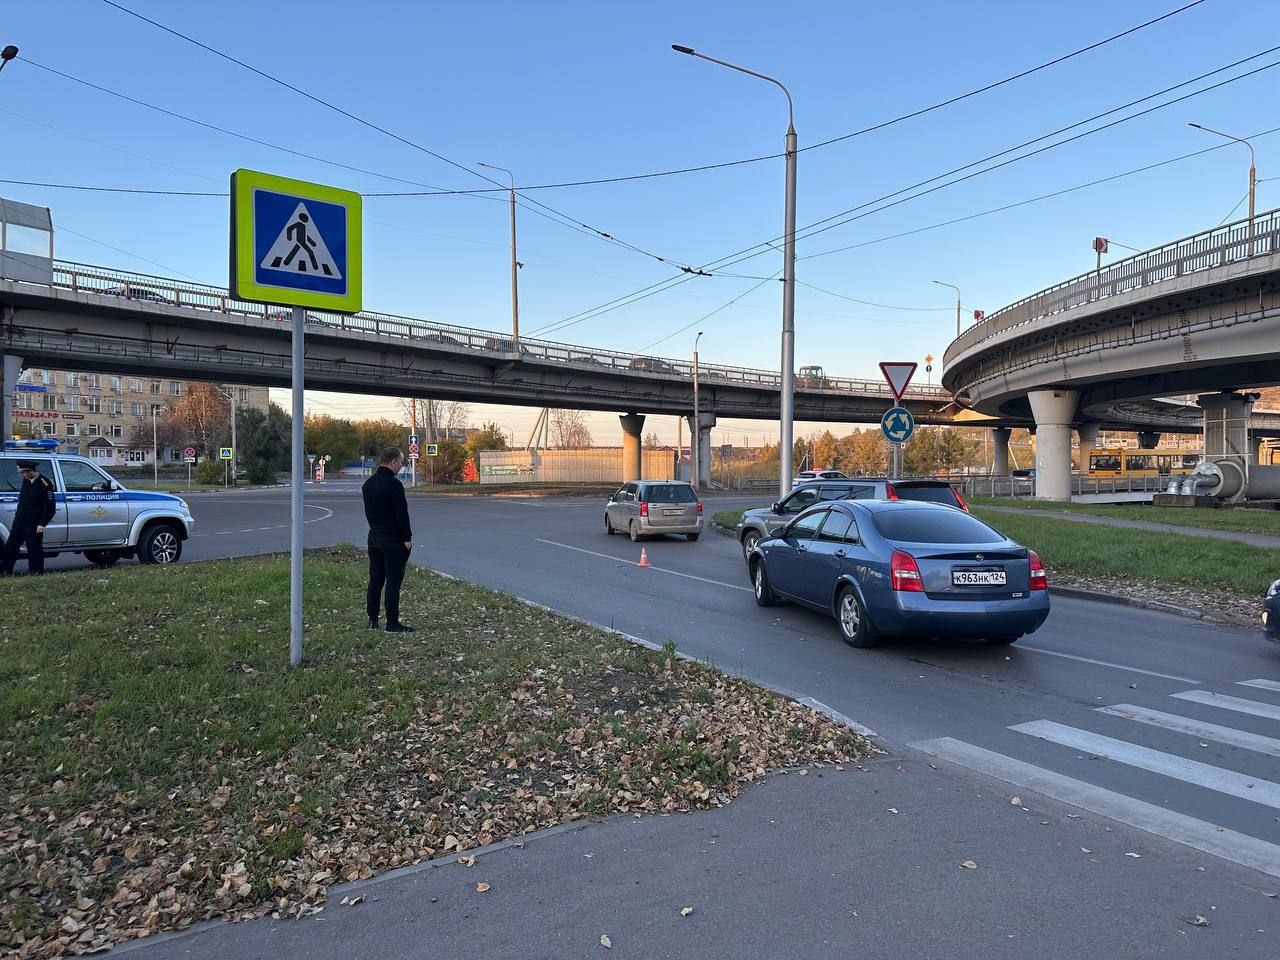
x: 298, y: 449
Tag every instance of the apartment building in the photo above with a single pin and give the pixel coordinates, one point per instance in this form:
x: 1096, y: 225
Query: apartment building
x: 105, y: 416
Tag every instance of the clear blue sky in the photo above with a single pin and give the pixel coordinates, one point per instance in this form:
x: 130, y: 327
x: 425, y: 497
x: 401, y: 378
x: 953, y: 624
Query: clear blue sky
x: 577, y: 90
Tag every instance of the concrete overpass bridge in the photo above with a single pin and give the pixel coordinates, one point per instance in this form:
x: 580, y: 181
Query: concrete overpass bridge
x: 91, y: 318
x: 1200, y: 315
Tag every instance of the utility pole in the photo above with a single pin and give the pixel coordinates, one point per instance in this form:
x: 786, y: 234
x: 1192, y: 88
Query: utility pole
x: 515, y: 264
x: 957, y: 290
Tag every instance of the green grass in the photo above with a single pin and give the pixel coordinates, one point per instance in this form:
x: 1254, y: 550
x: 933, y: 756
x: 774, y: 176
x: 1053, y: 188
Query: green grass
x: 1121, y: 554
x: 1242, y: 521
x: 153, y: 724
x: 730, y: 518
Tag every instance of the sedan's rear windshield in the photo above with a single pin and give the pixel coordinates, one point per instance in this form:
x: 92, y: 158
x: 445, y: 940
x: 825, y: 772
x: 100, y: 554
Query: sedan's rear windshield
x: 933, y: 526
x: 928, y: 492
x: 671, y: 493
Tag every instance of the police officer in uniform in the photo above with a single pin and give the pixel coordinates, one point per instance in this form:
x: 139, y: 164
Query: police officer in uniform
x: 390, y: 538
x: 36, y: 507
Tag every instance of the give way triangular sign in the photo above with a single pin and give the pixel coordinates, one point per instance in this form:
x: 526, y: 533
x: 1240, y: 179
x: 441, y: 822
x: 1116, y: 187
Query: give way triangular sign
x: 301, y: 249
x: 898, y: 376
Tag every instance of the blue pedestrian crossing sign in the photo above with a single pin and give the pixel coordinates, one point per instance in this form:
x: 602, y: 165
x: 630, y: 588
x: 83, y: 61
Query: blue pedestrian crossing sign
x: 897, y: 425
x: 433, y: 449
x: 295, y: 243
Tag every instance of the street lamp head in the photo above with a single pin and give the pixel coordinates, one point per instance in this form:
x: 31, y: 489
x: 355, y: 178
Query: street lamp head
x: 675, y: 46
x: 1196, y: 125
x: 7, y: 54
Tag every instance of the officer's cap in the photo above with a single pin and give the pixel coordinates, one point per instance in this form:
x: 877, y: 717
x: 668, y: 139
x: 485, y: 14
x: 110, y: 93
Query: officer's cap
x: 26, y: 464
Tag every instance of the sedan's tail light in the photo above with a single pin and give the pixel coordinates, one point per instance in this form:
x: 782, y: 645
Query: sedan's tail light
x: 904, y: 572
x: 699, y: 508
x: 644, y: 508
x: 960, y: 500
x: 1038, y: 579
x: 890, y: 492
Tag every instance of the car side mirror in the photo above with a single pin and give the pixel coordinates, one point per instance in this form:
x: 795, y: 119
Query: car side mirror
x: 113, y: 485
x: 777, y: 506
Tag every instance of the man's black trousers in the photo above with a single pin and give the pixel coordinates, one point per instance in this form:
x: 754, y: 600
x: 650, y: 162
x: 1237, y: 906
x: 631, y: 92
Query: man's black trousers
x: 26, y: 534
x: 386, y: 568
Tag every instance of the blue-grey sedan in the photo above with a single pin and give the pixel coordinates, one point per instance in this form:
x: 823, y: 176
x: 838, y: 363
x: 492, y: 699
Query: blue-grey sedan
x: 898, y: 568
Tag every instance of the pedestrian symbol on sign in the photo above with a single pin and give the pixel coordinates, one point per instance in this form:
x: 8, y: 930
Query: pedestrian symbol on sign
x: 299, y: 245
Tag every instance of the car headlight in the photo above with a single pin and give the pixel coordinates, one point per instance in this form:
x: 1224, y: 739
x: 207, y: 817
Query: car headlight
x: 1273, y: 589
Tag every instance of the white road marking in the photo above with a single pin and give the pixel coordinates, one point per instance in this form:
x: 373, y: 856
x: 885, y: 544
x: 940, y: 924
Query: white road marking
x: 1238, y: 704
x: 282, y: 526
x: 1261, y: 684
x: 1166, y: 764
x: 1200, y: 835
x: 674, y: 573
x: 1196, y: 728
x: 1105, y: 663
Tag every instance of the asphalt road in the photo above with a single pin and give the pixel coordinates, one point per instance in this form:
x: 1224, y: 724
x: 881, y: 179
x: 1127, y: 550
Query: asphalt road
x: 1164, y: 728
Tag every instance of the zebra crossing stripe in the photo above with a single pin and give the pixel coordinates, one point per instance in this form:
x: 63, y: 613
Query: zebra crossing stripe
x: 1229, y: 782
x: 1261, y: 684
x: 1240, y: 705
x: 1198, y: 834
x: 1196, y: 728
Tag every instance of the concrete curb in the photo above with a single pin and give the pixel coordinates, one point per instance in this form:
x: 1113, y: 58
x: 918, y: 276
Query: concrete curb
x: 1098, y: 596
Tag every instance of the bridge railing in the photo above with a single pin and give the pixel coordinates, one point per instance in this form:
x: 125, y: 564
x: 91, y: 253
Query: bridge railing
x: 163, y: 291
x: 1218, y: 247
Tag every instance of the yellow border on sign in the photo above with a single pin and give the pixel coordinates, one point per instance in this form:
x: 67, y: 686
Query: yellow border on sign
x: 243, y: 267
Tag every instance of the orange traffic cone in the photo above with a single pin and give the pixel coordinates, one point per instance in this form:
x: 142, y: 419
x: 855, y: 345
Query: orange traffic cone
x: 644, y: 558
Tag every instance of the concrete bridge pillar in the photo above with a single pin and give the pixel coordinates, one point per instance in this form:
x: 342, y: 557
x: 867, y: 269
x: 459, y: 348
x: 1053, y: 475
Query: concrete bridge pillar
x: 1226, y: 425
x: 1148, y: 439
x: 1054, y: 410
x: 8, y: 384
x: 1088, y: 436
x: 1255, y: 450
x: 702, y: 430
x: 632, y: 425
x: 1000, y: 451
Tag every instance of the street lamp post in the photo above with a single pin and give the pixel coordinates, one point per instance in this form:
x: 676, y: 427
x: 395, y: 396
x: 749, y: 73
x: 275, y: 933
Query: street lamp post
x: 957, y: 290
x: 1253, y: 172
x: 515, y: 264
x: 787, y: 404
x: 697, y: 423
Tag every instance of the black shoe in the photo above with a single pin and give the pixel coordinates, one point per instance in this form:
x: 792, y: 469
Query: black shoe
x: 373, y: 623
x: 400, y: 628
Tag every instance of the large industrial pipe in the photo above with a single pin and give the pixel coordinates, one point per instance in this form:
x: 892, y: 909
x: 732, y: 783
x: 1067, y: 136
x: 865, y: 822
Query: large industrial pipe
x: 1226, y: 480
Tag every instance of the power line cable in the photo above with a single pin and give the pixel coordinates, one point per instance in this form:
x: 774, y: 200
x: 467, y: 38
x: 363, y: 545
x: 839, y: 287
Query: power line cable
x: 999, y: 83
x: 748, y: 254
x: 386, y: 132
x: 1036, y: 199
x: 867, y: 303
x: 856, y: 133
x: 708, y: 316
x: 645, y: 293
x: 808, y: 231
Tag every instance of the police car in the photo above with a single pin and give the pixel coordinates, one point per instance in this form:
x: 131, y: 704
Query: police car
x: 97, y: 515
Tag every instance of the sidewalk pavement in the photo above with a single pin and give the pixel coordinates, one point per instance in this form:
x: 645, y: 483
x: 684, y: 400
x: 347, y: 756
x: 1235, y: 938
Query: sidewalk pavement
x: 863, y: 863
x: 1236, y: 536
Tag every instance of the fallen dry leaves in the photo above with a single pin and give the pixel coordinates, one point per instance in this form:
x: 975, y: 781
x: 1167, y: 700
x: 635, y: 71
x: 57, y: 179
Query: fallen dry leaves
x: 242, y: 834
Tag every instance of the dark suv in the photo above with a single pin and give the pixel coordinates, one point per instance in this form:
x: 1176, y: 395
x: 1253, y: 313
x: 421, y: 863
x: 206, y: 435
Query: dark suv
x: 763, y: 521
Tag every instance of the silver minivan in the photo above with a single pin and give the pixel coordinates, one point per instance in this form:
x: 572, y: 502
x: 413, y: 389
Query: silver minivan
x: 649, y: 507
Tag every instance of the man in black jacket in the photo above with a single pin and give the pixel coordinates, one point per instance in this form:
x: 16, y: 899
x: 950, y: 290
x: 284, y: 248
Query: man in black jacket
x: 36, y: 507
x: 390, y: 538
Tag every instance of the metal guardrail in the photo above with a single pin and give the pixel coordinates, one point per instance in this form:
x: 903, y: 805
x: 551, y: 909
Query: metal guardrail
x: 985, y: 486
x: 162, y: 291
x: 1218, y: 247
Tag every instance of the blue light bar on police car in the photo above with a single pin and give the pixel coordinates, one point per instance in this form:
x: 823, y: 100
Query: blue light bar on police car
x: 46, y: 444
